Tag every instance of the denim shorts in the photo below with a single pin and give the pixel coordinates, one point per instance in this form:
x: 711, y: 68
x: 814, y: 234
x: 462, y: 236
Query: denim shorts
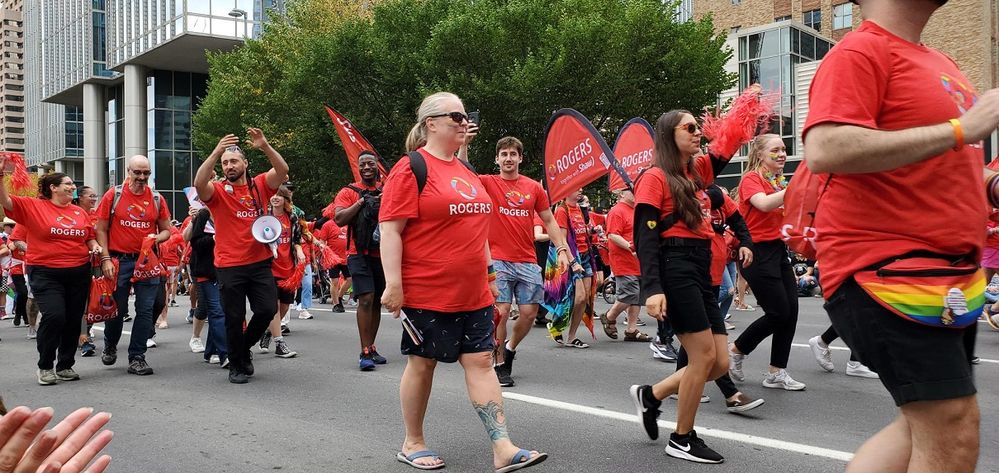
x: 587, y: 264
x: 522, y: 280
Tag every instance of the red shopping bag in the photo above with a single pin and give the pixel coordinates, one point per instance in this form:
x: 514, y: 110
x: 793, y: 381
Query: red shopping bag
x: 147, y: 266
x: 101, y: 306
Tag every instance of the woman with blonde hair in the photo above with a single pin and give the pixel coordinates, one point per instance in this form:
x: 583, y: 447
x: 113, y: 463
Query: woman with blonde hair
x: 770, y: 277
x: 434, y: 221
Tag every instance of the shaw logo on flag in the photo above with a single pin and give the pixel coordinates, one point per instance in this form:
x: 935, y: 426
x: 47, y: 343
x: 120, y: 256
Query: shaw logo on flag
x: 353, y: 143
x: 633, y: 147
x: 575, y: 154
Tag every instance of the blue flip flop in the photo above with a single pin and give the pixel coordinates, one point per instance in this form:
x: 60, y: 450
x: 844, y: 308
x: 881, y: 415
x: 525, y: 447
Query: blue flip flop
x: 410, y: 459
x: 522, y: 460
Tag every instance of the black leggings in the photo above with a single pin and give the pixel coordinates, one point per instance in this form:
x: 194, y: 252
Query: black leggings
x: 772, y: 281
x: 829, y: 335
x: 20, y: 299
x: 61, y: 294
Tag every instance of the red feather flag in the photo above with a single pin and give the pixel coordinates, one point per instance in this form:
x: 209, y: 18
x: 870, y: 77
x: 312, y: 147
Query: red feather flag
x: 14, y: 165
x: 727, y: 131
x: 295, y: 279
x: 353, y: 143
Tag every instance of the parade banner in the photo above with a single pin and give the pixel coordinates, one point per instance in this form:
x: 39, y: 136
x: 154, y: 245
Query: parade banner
x: 353, y: 143
x: 633, y: 148
x: 575, y: 154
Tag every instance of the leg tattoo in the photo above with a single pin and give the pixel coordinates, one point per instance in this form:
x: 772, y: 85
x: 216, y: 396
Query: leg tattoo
x: 493, y: 418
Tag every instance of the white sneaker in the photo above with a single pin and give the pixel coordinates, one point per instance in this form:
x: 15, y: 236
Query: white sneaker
x: 196, y: 345
x: 32, y: 333
x: 286, y: 318
x: 729, y: 326
x: 782, y: 380
x: 856, y: 368
x: 305, y: 315
x: 822, y: 354
x: 704, y: 398
x: 214, y: 359
x: 735, y: 366
x: 297, y: 307
x: 150, y: 343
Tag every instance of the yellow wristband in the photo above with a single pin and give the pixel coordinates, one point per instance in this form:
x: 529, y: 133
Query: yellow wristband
x: 958, y: 134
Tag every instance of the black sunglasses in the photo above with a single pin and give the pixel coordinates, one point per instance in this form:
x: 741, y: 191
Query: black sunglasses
x: 142, y: 173
x: 458, y: 117
x: 690, y: 127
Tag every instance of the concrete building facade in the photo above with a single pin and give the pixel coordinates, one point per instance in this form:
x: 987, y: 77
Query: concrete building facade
x: 135, y: 71
x: 12, y: 78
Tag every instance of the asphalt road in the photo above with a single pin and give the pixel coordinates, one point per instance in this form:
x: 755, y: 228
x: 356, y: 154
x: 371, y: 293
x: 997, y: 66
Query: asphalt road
x: 318, y: 413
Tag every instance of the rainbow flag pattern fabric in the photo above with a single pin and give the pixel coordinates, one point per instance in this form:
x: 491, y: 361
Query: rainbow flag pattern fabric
x: 932, y: 298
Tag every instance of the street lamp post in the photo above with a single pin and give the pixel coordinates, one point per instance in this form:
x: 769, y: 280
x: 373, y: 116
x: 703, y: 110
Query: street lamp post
x: 239, y: 13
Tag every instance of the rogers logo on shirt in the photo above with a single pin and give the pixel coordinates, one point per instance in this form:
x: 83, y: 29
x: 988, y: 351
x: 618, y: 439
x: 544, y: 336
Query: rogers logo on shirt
x: 248, y: 202
x: 137, y: 212
x: 515, y: 199
x: 67, y: 223
x: 964, y: 97
x: 463, y: 188
x: 467, y: 192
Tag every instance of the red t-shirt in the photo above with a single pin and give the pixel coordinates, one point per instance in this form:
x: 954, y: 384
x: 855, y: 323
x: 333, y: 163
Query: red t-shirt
x: 135, y: 219
x: 719, y: 246
x: 170, y: 249
x: 578, y: 225
x: 282, y: 266
x: 652, y: 190
x: 511, y: 231
x: 877, y: 80
x: 58, y: 234
x: 991, y: 241
x: 443, y: 245
x: 763, y: 226
x: 20, y: 233
x: 335, y: 237
x: 621, y: 221
x: 233, y: 213
x: 345, y: 198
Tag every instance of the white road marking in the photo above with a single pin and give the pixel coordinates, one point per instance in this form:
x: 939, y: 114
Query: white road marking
x: 701, y: 431
x: 805, y: 345
x: 101, y: 328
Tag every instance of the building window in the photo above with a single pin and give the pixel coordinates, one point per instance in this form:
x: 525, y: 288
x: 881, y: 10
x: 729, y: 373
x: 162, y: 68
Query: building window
x: 736, y: 2
x: 782, y: 18
x: 843, y: 16
x: 812, y: 19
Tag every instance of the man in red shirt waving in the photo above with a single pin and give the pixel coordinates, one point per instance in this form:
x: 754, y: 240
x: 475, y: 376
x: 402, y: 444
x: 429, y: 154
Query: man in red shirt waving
x: 127, y: 215
x: 244, y: 264
x: 890, y: 118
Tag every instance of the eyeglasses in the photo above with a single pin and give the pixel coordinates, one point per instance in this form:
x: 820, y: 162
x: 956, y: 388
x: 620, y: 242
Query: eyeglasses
x: 458, y: 117
x: 690, y: 127
x: 142, y: 173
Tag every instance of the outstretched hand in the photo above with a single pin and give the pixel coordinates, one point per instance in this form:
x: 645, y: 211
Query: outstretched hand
x: 225, y: 142
x: 256, y: 138
x: 67, y: 448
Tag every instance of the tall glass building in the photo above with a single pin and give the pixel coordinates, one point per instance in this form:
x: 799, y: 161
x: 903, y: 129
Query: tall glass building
x: 133, y: 71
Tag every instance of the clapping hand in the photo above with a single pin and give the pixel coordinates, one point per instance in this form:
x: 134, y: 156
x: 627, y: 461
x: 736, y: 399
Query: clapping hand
x: 67, y: 448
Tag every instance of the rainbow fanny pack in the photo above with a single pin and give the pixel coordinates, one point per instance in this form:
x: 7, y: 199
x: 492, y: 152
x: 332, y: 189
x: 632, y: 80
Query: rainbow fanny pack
x: 927, y: 288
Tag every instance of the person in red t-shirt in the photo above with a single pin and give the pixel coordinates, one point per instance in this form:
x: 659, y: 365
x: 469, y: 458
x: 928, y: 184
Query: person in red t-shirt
x: 624, y: 264
x: 518, y: 201
x: 673, y: 235
x: 333, y: 236
x: 896, y: 124
x: 243, y: 263
x: 569, y: 216
x: 17, y: 275
x: 128, y: 215
x: 289, y: 255
x: 436, y: 257
x: 355, y: 211
x: 196, y: 316
x: 170, y: 252
x: 58, y: 266
x: 87, y: 200
x: 771, y: 277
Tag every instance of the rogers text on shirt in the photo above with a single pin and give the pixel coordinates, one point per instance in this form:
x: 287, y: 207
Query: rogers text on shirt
x: 470, y: 208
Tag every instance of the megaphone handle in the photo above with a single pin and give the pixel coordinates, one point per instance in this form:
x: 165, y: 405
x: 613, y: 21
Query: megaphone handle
x: 274, y: 247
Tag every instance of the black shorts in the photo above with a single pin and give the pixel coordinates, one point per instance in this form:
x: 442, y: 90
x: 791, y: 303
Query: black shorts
x: 284, y: 297
x: 366, y: 275
x: 691, y: 303
x: 446, y: 335
x: 915, y: 362
x: 339, y: 269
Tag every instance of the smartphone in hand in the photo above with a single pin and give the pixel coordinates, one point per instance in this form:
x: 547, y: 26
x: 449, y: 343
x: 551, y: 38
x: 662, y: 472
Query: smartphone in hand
x: 473, y: 117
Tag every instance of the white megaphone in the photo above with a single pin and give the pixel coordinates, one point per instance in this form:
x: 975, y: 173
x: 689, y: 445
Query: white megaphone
x: 266, y: 229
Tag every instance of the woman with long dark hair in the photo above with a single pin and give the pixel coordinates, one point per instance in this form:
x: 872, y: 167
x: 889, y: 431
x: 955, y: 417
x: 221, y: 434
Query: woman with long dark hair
x: 289, y: 254
x: 673, y: 241
x: 58, y: 267
x: 770, y: 277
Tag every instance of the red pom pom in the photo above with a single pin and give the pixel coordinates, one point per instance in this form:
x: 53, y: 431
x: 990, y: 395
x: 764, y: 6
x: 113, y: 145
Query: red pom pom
x: 329, y: 258
x: 295, y: 279
x: 329, y: 211
x: 727, y: 131
x: 20, y: 180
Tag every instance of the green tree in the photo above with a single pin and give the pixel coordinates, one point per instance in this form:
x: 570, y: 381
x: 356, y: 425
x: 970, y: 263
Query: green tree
x: 515, y: 60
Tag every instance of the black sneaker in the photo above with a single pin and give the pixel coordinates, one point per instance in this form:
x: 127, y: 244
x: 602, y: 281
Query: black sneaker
x: 648, y: 408
x: 128, y: 318
x: 138, y: 366
x: 88, y: 349
x: 265, y: 342
x: 689, y: 447
x: 285, y: 330
x: 109, y: 356
x: 378, y: 359
x: 248, y: 365
x: 503, y: 375
x: 237, y: 377
x: 338, y: 308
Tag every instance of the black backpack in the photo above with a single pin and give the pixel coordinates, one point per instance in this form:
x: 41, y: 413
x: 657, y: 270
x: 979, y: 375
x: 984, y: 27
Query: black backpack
x: 363, y: 231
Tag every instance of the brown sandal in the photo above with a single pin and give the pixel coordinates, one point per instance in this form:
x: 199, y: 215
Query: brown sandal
x: 636, y: 336
x: 610, y: 328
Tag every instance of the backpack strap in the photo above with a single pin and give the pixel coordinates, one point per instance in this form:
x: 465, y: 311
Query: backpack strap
x: 117, y: 198
x: 419, y: 167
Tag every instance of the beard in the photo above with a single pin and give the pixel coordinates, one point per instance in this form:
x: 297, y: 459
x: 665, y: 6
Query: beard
x: 236, y: 177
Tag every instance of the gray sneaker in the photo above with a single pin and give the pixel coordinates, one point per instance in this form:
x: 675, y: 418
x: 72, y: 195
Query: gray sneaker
x: 139, y: 366
x: 47, y: 377
x: 265, y: 342
x: 281, y: 350
x: 67, y: 374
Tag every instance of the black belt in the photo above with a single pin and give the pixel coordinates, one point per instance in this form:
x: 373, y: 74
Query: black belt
x: 117, y: 254
x: 688, y: 242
